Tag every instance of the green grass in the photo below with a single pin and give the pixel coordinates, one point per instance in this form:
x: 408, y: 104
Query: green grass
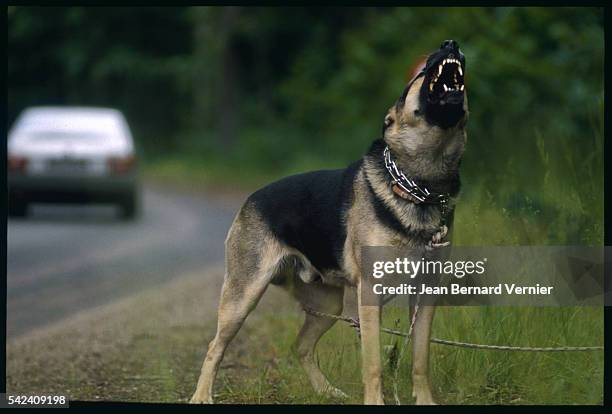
x: 214, y: 173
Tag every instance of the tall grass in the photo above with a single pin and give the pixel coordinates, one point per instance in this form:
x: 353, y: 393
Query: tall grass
x: 559, y: 201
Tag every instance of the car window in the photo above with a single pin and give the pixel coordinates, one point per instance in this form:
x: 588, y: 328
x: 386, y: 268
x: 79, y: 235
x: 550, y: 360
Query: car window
x: 107, y: 128
x: 81, y: 136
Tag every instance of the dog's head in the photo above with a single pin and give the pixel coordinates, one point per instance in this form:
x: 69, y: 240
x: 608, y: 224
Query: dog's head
x: 429, y: 118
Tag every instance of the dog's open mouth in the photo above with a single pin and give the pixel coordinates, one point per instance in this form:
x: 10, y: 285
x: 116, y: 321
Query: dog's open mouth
x: 446, y: 81
x: 442, y: 93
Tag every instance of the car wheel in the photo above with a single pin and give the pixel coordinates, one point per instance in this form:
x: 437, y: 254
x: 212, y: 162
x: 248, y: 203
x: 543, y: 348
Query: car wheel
x: 17, y: 208
x: 129, y: 206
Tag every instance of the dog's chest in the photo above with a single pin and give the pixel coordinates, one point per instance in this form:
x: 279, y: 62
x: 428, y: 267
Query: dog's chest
x: 396, y: 234
x: 389, y: 221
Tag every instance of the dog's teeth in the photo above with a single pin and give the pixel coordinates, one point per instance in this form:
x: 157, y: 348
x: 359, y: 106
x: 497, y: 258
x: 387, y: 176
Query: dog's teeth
x: 445, y: 88
x: 460, y: 71
x: 439, y: 70
x: 461, y: 87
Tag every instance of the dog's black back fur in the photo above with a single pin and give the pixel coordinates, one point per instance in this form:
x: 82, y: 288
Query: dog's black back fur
x: 306, y: 212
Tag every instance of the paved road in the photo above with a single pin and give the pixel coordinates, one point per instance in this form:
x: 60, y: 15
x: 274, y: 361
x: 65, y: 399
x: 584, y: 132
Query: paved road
x: 64, y: 259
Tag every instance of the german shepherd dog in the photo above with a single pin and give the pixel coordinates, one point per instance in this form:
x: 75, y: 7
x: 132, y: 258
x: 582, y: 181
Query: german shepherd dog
x: 305, y: 232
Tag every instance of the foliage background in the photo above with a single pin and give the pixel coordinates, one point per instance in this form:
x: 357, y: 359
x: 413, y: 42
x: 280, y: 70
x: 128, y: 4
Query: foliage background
x: 247, y: 94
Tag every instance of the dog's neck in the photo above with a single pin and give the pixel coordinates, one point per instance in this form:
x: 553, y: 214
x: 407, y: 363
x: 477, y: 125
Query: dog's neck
x: 409, y: 189
x: 438, y: 176
x: 432, y: 164
x: 409, y: 214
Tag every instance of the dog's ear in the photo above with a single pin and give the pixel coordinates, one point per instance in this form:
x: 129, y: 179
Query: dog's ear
x: 389, y: 119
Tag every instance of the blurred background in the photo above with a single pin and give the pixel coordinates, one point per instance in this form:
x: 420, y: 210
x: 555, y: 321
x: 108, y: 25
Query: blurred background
x: 238, y: 96
x: 221, y: 100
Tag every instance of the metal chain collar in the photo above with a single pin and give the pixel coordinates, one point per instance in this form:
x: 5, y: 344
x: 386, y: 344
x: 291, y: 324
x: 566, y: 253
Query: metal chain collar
x: 419, y: 194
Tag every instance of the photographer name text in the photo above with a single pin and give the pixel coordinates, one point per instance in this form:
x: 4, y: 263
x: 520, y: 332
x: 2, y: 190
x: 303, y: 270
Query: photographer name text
x: 456, y: 289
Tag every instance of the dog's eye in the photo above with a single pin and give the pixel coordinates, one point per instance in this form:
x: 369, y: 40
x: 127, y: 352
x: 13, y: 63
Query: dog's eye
x: 417, y: 112
x: 388, y: 121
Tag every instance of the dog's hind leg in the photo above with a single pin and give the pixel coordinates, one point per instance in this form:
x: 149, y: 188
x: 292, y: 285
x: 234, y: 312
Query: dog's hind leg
x: 251, y: 263
x: 421, y: 388
x: 321, y: 298
x: 234, y: 306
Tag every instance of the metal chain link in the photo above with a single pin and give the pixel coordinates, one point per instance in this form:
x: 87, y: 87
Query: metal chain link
x: 516, y: 348
x: 422, y: 194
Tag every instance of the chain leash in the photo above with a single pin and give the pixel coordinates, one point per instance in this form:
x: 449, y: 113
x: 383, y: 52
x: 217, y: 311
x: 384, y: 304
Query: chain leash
x: 355, y: 323
x: 407, y: 336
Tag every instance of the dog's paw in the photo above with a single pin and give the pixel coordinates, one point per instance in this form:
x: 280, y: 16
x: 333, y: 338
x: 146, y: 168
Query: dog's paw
x: 336, y: 393
x: 436, y: 239
x: 421, y: 390
x: 425, y: 401
x: 331, y: 391
x: 199, y: 400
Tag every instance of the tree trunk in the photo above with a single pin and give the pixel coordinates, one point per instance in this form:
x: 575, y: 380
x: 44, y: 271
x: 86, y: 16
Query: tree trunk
x: 215, y: 82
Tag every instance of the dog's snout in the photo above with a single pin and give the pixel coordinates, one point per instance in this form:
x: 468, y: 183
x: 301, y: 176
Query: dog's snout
x: 450, y: 44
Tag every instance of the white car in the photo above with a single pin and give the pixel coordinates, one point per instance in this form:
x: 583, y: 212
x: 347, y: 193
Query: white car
x: 71, y: 154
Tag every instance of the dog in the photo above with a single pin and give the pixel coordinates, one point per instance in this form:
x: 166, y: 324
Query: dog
x: 305, y: 232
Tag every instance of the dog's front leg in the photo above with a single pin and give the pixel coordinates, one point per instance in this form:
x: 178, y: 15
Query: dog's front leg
x: 371, y: 369
x: 421, y: 388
